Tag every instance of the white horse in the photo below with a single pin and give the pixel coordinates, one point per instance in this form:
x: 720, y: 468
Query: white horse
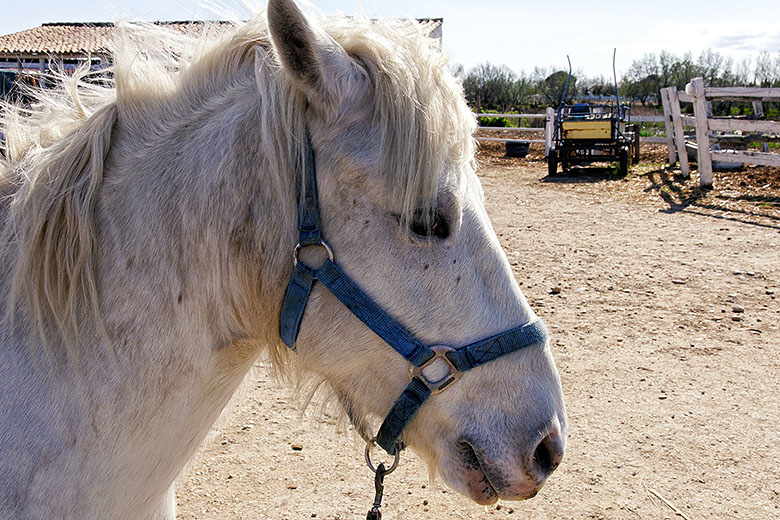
x: 148, y: 228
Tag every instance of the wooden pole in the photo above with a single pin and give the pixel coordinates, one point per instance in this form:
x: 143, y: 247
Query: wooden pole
x: 758, y: 111
x: 696, y: 89
x: 668, y: 128
x: 679, y: 133
x: 549, y: 129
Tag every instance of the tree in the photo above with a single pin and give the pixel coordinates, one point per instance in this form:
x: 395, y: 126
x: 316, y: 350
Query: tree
x: 642, y: 81
x: 666, y: 61
x: 595, y: 86
x: 711, y: 67
x: 552, y: 88
x: 490, y: 87
x: 644, y: 89
x: 767, y: 71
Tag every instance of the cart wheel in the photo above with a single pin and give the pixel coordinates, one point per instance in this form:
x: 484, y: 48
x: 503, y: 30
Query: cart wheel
x: 552, y: 162
x: 623, y: 164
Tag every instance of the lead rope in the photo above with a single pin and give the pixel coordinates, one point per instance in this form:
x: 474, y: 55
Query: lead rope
x: 375, y: 513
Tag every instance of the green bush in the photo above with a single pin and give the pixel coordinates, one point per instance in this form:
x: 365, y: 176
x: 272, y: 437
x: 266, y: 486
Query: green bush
x: 495, y: 121
x: 501, y: 122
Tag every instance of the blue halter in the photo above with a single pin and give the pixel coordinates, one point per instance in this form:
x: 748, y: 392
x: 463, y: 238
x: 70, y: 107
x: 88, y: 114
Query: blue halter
x: 393, y: 333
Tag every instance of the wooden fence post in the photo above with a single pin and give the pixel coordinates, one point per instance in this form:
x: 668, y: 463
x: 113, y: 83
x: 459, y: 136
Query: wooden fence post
x: 549, y: 129
x: 668, y: 128
x: 758, y: 108
x: 696, y: 89
x: 679, y: 132
x: 758, y: 111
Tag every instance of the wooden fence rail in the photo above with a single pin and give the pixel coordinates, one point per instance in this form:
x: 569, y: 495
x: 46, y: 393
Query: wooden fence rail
x: 709, y: 128
x: 549, y: 120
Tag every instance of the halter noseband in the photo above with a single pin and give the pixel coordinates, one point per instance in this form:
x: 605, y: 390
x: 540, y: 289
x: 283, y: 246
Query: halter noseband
x: 421, y: 356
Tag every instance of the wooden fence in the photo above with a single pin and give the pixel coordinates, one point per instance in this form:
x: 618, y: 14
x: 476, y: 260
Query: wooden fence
x: 519, y: 117
x: 711, y: 132
x: 548, y: 128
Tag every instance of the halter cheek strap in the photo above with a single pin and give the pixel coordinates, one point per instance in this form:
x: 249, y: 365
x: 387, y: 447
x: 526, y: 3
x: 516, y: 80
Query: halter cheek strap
x: 421, y: 356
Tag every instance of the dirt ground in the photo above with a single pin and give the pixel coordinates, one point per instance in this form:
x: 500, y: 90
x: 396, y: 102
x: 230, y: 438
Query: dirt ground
x: 662, y: 300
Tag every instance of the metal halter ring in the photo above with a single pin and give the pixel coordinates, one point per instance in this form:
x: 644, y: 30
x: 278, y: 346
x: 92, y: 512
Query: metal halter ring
x: 322, y: 244
x: 396, y: 459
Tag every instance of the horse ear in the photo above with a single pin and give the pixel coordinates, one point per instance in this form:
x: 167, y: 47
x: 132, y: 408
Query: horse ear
x: 312, y: 59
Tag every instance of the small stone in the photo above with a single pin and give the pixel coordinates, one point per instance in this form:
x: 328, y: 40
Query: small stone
x: 292, y: 486
x: 297, y: 447
x: 555, y: 290
x: 679, y: 282
x: 737, y: 308
x: 736, y: 272
x: 663, y: 396
x: 770, y: 292
x: 736, y: 318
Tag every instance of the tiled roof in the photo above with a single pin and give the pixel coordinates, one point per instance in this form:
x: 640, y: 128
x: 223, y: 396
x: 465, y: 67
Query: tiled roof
x: 65, y: 38
x: 75, y: 38
x: 59, y: 38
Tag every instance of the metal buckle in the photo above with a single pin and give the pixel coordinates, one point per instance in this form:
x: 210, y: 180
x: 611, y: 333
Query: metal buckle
x: 396, y: 457
x: 322, y: 244
x: 438, y: 386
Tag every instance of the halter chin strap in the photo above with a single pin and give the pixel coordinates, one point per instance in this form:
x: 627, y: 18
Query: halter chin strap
x: 421, y: 356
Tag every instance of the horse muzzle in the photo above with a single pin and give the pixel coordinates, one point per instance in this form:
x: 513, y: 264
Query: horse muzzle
x: 485, y: 472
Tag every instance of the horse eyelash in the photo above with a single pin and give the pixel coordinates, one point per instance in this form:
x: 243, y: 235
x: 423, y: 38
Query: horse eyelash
x: 435, y: 227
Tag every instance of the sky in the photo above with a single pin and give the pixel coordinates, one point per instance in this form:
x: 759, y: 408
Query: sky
x: 519, y: 34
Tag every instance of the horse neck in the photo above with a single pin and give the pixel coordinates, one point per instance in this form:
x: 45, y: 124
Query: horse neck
x: 209, y: 202
x: 194, y: 243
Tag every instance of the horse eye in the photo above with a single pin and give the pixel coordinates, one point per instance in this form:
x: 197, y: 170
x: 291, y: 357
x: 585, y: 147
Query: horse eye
x: 432, y: 226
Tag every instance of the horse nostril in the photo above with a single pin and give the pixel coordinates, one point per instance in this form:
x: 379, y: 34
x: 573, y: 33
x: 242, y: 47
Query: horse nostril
x: 548, y: 454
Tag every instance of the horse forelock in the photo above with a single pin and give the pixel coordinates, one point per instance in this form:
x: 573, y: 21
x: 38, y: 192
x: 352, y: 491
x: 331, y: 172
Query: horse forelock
x: 424, y: 123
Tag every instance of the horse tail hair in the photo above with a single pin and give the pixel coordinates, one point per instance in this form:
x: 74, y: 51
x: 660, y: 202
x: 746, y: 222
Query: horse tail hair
x: 53, y: 220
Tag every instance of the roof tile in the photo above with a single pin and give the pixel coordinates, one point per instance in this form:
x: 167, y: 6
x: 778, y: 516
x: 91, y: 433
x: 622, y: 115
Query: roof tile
x: 67, y: 38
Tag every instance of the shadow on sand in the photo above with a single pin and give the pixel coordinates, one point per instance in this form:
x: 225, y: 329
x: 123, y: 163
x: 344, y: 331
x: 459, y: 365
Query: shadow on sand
x: 683, y: 196
x: 591, y: 174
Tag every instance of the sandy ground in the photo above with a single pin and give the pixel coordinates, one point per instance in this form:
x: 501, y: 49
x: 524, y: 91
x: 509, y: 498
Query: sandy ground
x: 663, y: 305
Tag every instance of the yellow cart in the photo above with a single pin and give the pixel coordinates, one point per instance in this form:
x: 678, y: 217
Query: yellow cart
x: 585, y: 134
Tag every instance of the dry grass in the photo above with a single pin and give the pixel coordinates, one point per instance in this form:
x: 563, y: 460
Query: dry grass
x: 751, y: 193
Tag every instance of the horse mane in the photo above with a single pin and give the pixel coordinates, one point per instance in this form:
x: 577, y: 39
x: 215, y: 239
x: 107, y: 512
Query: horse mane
x: 56, y: 149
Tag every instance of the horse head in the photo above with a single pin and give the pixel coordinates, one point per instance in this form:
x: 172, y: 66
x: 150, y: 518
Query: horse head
x: 403, y: 212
